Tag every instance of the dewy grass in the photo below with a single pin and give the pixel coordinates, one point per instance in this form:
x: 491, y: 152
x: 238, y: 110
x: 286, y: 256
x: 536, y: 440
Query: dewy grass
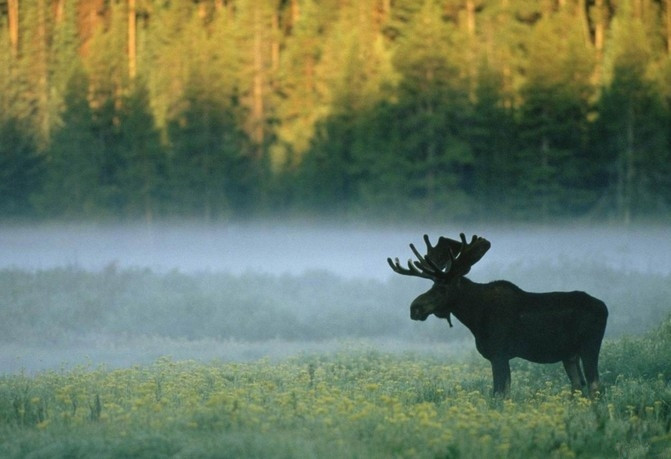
x: 352, y: 404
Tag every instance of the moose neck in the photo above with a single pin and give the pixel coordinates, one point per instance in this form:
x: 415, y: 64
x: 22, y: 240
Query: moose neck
x: 465, y: 302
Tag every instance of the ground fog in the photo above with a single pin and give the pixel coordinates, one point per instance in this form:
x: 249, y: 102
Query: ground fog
x: 352, y: 251
x: 119, y: 295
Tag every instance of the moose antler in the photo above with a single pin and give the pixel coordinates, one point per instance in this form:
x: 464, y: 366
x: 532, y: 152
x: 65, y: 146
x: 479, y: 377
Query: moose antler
x: 469, y: 254
x: 440, y: 253
x: 423, y: 268
x: 433, y: 265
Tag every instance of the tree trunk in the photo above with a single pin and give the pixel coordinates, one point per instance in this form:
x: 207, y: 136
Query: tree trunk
x: 13, y: 18
x: 40, y: 70
x: 132, y: 29
x: 629, y: 167
x: 295, y: 12
x: 544, y: 184
x: 275, y: 43
x: 472, y: 52
x: 599, y: 18
x: 430, y: 149
x: 60, y: 9
x: 667, y: 17
x: 470, y: 18
x: 258, y: 109
x: 584, y: 20
x: 626, y: 170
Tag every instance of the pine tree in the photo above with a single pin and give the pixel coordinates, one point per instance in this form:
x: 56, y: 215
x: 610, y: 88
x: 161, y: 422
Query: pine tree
x: 211, y: 165
x: 106, y: 65
x: 631, y: 130
x: 493, y: 137
x: 167, y: 55
x: 300, y: 96
x: 356, y: 70
x: 64, y: 61
x: 556, y: 101
x: 71, y: 186
x: 8, y: 65
x: 20, y: 168
x: 144, y: 174
x: 433, y: 107
x: 256, y: 40
x: 33, y: 68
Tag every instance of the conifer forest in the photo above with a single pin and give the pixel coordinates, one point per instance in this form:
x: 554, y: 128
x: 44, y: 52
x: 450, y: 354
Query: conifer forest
x: 437, y: 109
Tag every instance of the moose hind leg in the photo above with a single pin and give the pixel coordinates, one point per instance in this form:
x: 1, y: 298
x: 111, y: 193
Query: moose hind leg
x: 572, y: 367
x: 501, y: 373
x: 590, y: 362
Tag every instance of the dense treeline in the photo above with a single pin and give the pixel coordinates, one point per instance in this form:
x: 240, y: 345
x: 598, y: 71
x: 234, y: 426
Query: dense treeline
x: 450, y: 108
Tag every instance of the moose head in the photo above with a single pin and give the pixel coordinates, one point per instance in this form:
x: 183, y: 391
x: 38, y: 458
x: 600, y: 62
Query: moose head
x: 444, y: 264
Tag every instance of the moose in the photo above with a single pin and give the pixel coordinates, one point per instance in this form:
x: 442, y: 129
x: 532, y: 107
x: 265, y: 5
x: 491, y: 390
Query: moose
x: 505, y: 320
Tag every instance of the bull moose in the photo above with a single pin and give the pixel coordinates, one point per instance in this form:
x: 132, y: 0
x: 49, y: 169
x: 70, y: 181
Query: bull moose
x: 506, y: 321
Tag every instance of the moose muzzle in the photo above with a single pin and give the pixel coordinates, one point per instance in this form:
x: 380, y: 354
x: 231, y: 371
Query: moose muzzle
x: 417, y: 312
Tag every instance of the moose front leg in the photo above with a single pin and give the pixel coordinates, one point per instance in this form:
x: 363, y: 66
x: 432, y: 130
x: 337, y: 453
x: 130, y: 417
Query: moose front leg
x: 501, y: 373
x: 572, y: 367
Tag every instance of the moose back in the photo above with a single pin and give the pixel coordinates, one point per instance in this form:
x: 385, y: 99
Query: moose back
x: 505, y: 320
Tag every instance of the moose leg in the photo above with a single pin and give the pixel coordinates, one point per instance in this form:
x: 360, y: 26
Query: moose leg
x: 572, y: 367
x: 501, y: 373
x: 590, y: 362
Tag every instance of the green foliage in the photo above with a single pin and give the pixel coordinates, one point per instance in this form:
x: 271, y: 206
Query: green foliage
x: 301, y: 102
x: 635, y: 141
x: 70, y: 186
x: 20, y: 167
x: 553, y: 120
x: 144, y: 175
x: 431, y: 109
x: 211, y: 173
x: 650, y: 353
x: 492, y: 139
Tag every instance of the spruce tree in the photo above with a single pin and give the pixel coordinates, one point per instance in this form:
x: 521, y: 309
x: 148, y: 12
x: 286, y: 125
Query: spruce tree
x: 72, y: 181
x: 555, y: 104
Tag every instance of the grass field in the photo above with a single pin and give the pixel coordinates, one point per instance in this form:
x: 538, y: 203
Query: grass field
x: 350, y: 404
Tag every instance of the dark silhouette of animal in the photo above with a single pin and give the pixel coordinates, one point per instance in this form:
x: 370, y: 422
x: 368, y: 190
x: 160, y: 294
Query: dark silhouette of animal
x: 505, y: 320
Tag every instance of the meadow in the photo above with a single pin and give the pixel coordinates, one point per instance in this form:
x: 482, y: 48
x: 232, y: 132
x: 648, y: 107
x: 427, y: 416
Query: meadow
x: 85, y: 366
x: 352, y: 404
